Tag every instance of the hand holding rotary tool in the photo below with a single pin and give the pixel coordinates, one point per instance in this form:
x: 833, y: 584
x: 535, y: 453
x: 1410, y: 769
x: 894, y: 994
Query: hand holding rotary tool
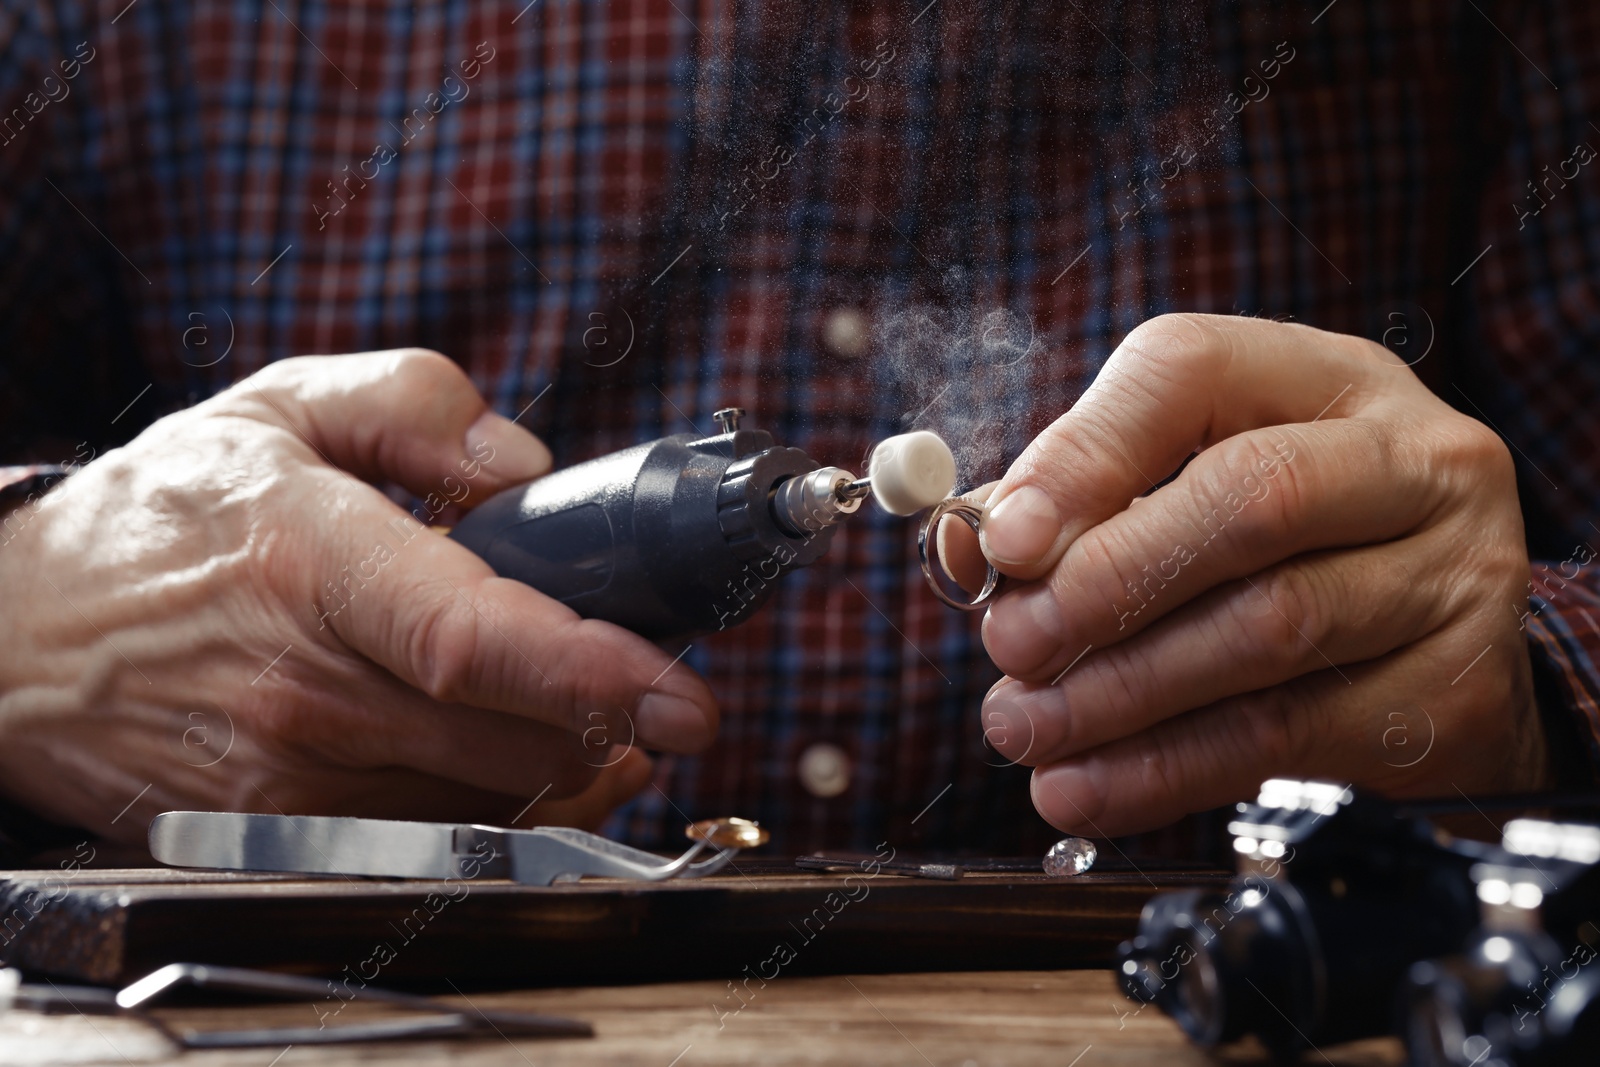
x: 271, y: 630
x: 688, y: 534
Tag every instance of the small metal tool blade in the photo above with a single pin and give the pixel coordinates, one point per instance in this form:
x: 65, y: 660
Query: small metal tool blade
x: 304, y: 844
x: 317, y: 844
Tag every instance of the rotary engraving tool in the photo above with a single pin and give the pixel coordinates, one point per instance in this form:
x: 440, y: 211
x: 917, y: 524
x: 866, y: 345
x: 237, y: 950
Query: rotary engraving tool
x: 688, y: 534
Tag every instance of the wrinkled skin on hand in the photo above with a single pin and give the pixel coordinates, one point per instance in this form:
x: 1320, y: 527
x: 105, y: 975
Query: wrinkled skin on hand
x: 227, y: 615
x: 1332, y: 587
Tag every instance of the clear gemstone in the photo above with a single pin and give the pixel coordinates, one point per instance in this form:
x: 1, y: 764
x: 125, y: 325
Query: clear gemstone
x: 1068, y: 857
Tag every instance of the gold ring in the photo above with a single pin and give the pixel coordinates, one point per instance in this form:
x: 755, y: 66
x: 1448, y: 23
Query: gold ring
x: 971, y: 513
x: 728, y: 833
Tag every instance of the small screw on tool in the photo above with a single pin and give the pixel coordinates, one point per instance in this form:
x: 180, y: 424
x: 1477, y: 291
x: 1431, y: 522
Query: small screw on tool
x: 728, y: 418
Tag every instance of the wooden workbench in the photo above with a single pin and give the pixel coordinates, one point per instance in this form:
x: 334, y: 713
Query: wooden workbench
x: 108, y: 927
x: 1055, y: 1018
x: 665, y: 954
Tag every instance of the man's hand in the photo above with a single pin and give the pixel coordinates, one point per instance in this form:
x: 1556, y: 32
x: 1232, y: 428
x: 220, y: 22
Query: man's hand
x: 1332, y: 587
x: 226, y: 615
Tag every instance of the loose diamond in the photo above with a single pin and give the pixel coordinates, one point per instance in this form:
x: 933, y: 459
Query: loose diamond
x: 1068, y: 857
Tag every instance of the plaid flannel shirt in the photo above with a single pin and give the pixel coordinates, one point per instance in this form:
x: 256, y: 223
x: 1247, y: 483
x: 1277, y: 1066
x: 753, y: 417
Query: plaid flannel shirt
x: 849, y: 218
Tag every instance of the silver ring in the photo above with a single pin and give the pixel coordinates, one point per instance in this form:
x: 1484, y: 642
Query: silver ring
x: 971, y: 513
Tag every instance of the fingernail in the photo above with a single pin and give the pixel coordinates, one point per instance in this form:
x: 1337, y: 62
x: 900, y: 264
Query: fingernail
x: 1008, y: 725
x: 506, y: 449
x: 1070, y: 796
x: 1000, y: 716
x: 1021, y: 528
x: 1023, y: 629
x: 1005, y: 687
x: 671, y: 723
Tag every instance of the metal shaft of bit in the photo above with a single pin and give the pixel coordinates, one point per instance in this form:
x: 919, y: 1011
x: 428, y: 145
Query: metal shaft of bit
x: 807, y: 503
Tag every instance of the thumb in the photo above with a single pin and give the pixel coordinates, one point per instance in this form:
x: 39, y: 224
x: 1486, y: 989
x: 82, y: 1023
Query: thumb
x: 409, y: 416
x: 959, y: 551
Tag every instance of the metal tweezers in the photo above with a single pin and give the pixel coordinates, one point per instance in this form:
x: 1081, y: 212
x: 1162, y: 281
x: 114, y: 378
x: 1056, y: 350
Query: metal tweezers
x: 444, y: 1020
x: 314, y: 844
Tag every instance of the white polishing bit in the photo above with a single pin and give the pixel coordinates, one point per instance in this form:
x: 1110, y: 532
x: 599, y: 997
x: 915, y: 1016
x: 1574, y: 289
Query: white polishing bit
x: 911, y: 472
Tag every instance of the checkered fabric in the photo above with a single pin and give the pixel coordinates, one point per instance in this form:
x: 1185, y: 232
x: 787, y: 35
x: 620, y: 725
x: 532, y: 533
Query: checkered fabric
x: 850, y: 217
